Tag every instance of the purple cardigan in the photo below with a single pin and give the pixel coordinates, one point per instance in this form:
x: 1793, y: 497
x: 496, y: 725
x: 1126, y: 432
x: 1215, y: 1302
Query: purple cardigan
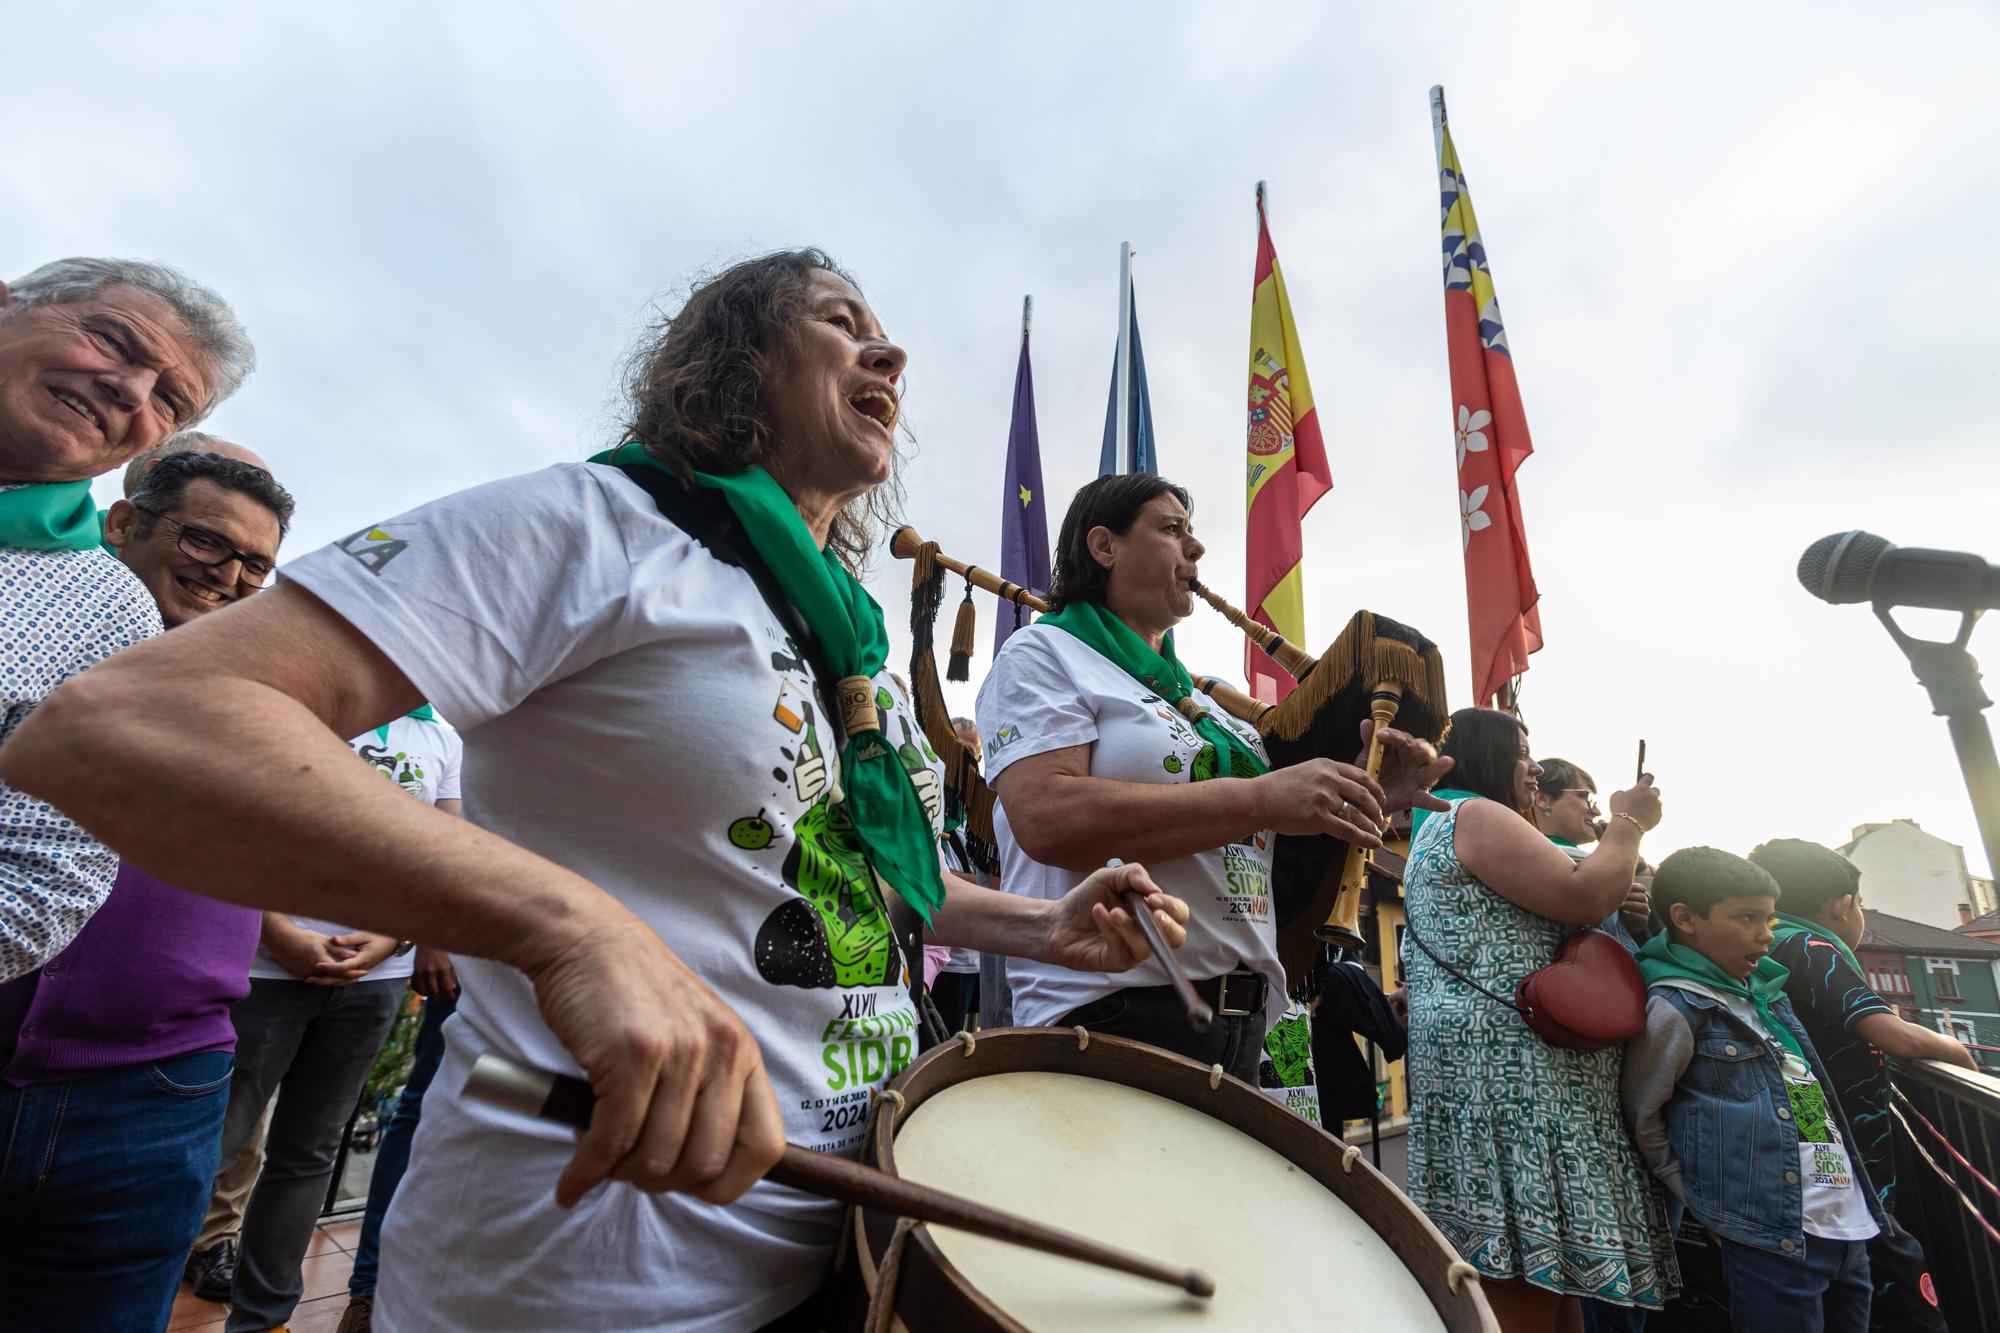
x: 150, y: 977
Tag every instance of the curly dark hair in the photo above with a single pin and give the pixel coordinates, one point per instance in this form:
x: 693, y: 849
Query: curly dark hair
x: 167, y: 481
x: 696, y: 383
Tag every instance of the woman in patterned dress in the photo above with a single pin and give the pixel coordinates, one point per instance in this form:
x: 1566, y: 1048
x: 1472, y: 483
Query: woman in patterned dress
x: 1517, y: 1150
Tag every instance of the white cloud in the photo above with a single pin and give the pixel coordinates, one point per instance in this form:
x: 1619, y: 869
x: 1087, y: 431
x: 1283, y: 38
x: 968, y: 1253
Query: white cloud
x: 1741, y: 251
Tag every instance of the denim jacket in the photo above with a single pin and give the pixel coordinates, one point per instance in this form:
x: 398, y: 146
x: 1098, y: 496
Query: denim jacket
x: 1729, y: 1148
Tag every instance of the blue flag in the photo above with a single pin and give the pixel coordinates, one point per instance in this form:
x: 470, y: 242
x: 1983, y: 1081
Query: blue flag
x: 1024, y: 521
x: 1135, y: 454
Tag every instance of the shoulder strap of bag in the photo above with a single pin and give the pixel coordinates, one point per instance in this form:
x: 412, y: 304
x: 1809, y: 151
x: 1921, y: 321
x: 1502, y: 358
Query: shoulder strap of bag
x: 707, y: 517
x: 1410, y: 927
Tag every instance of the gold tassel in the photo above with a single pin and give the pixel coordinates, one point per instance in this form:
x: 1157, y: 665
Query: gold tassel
x: 962, y: 631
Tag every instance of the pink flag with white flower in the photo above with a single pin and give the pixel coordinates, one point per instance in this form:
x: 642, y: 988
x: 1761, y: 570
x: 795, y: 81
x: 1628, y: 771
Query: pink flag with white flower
x: 1492, y: 437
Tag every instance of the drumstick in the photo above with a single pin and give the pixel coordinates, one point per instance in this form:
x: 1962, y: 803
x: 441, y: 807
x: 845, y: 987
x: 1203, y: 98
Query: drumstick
x: 569, y: 1101
x: 1200, y: 1015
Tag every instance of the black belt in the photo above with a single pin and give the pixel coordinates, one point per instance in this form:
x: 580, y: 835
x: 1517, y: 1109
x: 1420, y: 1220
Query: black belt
x: 1235, y: 994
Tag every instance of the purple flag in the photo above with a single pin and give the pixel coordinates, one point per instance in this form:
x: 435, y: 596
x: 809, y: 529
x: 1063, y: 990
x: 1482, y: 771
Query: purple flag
x: 1024, y: 523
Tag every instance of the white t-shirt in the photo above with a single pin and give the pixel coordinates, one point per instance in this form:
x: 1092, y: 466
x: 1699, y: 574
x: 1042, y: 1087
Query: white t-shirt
x: 1048, y: 691
x: 423, y: 758
x: 1830, y: 1199
x: 631, y: 709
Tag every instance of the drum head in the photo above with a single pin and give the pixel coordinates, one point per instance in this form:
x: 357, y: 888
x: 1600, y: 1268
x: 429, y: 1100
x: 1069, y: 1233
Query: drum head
x: 1130, y: 1146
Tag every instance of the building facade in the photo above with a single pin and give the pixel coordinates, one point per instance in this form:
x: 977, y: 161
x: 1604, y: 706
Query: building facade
x: 1945, y: 980
x: 1916, y: 875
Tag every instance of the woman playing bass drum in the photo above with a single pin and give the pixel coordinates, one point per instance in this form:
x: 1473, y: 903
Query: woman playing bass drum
x: 683, y: 759
x: 1099, y: 747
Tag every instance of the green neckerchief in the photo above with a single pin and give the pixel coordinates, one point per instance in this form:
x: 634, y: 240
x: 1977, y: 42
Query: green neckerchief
x: 1661, y: 959
x: 1560, y: 842
x: 1789, y: 925
x: 50, y: 516
x: 1162, y: 673
x: 881, y: 801
x: 422, y: 713
x: 1418, y: 814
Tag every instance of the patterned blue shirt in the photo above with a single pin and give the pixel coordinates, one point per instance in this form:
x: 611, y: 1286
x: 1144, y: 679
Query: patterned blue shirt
x: 60, y: 611
x: 1830, y: 998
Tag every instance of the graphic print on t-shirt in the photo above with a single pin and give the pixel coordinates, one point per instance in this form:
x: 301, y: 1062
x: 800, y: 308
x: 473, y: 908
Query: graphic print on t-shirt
x: 399, y: 766
x: 835, y: 936
x: 1286, y: 1072
x: 835, y: 933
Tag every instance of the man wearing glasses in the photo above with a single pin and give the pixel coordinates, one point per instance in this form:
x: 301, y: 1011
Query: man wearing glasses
x: 200, y: 531
x: 118, y: 1053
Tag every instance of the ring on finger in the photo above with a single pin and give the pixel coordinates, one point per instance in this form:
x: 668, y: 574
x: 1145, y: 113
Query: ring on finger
x: 1342, y: 812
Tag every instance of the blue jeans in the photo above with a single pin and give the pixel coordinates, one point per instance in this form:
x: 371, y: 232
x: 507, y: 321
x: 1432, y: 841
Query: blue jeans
x: 392, y: 1158
x: 103, y: 1181
x: 1824, y: 1290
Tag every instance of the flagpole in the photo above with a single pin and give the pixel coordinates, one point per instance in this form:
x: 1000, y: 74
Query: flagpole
x: 1027, y: 314
x: 1123, y: 460
x: 1437, y: 120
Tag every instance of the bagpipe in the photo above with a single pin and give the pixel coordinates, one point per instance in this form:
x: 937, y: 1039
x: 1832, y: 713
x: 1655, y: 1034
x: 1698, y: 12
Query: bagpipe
x: 1376, y: 668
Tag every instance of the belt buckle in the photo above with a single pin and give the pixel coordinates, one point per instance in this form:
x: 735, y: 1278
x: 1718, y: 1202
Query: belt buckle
x: 1222, y: 1005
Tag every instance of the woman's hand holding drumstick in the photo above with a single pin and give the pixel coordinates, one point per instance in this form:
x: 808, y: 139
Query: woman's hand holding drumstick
x: 1105, y: 924
x: 1200, y: 1013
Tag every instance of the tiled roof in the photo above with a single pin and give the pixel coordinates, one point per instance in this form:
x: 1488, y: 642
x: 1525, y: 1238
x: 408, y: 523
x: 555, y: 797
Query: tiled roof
x: 1898, y: 934
x: 1991, y: 921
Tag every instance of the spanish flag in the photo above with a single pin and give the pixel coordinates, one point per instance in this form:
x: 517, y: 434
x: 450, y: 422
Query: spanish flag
x: 1492, y: 433
x: 1286, y: 464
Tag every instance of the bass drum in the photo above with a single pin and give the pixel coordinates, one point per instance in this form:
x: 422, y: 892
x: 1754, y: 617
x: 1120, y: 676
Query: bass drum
x: 1153, y: 1154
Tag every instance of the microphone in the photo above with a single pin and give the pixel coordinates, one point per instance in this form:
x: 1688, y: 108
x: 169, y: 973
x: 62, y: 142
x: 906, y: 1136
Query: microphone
x: 1861, y: 567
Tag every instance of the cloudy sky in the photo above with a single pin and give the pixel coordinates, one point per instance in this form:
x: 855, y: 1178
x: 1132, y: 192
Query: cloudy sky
x: 1742, y: 252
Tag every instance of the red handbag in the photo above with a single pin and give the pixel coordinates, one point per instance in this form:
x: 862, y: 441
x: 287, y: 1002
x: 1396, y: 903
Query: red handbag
x: 1590, y: 997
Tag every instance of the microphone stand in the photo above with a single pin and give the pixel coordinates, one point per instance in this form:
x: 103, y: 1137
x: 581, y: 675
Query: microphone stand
x: 1951, y: 676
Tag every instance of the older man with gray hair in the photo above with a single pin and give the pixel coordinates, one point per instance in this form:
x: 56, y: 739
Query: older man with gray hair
x: 100, y: 360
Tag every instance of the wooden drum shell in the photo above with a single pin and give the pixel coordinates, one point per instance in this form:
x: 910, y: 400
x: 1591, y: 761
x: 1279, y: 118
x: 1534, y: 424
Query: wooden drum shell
x: 932, y: 1294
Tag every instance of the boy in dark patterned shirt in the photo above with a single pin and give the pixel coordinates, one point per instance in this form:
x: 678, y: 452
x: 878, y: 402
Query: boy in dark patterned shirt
x: 1817, y: 931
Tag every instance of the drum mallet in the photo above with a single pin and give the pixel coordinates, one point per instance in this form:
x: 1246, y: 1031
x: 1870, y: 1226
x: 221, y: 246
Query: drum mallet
x: 1200, y: 1015
x: 569, y: 1101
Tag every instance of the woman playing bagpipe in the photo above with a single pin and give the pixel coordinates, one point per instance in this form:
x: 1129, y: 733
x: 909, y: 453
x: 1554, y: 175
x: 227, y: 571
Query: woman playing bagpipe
x: 1100, y: 748
x: 687, y: 776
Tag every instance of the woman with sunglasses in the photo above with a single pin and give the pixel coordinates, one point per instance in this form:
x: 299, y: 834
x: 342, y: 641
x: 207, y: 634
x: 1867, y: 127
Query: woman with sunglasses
x: 1565, y: 810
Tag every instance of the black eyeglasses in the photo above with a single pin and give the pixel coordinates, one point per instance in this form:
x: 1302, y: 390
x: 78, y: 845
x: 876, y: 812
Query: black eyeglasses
x: 1589, y: 797
x: 205, y: 546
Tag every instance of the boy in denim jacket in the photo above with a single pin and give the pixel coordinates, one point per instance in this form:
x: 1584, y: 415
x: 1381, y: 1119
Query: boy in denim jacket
x: 1731, y: 1109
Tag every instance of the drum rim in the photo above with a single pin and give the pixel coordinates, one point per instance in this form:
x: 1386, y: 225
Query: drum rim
x: 1148, y: 1068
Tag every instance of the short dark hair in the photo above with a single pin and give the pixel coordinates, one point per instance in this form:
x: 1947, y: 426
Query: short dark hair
x: 1110, y: 502
x: 1811, y: 875
x: 1560, y: 775
x: 165, y: 485
x: 697, y: 382
x: 1701, y: 877
x: 1485, y: 744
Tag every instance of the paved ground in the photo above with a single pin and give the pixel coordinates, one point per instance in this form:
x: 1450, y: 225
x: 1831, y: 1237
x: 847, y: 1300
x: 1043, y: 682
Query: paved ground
x: 328, y: 1262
